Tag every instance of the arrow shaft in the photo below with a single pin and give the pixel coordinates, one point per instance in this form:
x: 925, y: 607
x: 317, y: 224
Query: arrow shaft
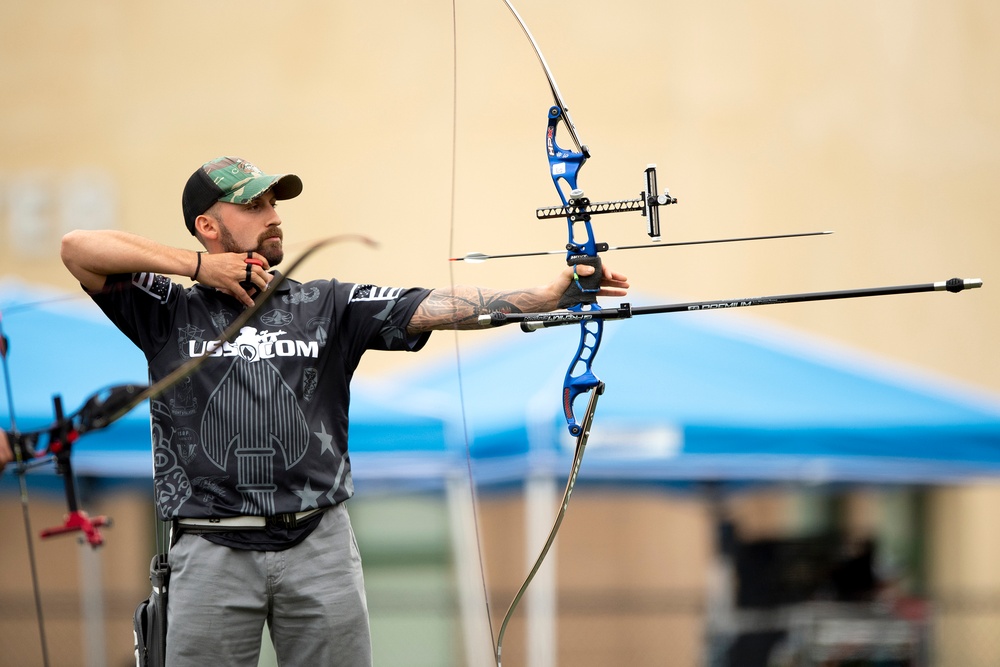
x: 476, y: 257
x: 727, y: 240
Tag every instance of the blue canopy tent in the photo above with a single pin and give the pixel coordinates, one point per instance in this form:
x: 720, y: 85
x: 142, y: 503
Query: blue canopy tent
x: 712, y: 397
x: 62, y: 344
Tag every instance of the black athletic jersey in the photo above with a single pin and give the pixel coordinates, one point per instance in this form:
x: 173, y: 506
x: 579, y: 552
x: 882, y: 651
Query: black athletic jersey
x: 261, y: 427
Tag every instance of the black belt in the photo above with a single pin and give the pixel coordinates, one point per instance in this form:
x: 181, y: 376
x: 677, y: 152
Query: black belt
x: 248, y: 522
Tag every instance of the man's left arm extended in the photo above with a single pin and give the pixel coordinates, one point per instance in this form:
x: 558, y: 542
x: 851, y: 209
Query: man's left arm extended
x: 460, y: 306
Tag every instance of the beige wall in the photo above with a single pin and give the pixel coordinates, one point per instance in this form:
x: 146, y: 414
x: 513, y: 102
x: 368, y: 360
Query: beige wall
x: 880, y: 121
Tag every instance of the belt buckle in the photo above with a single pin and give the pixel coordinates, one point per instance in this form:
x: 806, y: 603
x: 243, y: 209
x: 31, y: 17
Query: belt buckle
x: 284, y: 520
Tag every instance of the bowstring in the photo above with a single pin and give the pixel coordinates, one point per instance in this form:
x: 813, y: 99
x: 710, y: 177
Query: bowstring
x: 458, y: 351
x: 21, y: 472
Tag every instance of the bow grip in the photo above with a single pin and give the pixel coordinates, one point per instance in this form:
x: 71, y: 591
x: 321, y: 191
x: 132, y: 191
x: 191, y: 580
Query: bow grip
x: 583, y: 289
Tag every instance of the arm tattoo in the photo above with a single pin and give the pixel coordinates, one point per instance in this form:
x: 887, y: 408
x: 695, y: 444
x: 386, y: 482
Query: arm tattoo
x: 458, y: 307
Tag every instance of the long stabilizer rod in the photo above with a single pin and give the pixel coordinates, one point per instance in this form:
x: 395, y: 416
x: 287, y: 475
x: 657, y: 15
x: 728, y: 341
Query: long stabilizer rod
x: 532, y: 321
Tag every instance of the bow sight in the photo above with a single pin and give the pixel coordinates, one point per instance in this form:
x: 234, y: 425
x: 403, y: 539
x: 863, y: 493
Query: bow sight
x: 578, y: 208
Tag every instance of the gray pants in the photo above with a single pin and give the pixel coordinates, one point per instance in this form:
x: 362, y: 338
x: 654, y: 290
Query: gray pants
x: 312, y: 597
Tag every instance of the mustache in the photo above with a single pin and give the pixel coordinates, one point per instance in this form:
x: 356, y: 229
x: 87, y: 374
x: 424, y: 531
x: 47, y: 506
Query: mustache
x: 271, y: 234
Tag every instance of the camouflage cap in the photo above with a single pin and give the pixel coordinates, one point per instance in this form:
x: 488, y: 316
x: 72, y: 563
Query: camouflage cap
x: 233, y: 180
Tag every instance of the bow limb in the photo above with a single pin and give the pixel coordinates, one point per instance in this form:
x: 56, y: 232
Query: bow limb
x: 581, y: 445
x: 556, y: 95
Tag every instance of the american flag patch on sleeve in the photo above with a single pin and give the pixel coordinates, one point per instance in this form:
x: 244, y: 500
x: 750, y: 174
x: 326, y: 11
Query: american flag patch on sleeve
x: 153, y: 284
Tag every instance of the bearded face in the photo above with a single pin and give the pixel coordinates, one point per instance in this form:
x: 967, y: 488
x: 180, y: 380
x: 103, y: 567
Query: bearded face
x: 268, y: 244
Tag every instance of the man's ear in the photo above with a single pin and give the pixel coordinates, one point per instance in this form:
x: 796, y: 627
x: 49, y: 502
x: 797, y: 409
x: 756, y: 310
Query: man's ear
x: 206, y: 227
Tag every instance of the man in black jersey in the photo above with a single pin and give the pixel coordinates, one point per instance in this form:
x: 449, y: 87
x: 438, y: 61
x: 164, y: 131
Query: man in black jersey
x: 250, y: 451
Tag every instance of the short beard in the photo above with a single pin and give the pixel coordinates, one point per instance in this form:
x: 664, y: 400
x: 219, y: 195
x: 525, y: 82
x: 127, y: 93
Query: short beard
x: 273, y: 253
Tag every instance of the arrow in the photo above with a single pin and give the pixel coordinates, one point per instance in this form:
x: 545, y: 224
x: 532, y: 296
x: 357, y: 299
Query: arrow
x: 478, y: 257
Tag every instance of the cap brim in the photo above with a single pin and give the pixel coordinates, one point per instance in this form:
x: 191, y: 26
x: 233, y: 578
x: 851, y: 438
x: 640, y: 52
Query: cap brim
x: 284, y: 186
x: 288, y: 186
